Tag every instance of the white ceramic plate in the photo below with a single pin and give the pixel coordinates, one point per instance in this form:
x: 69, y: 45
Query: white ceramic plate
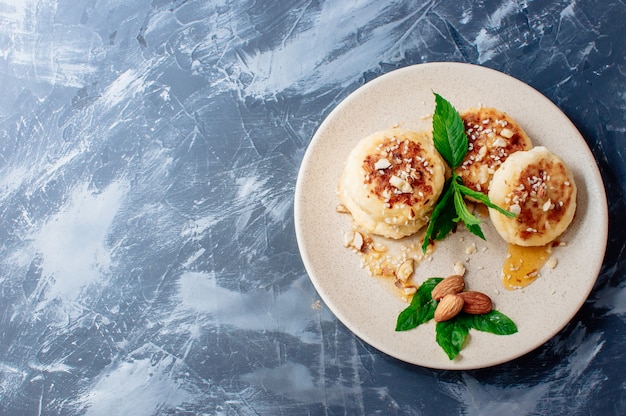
x: 365, y: 305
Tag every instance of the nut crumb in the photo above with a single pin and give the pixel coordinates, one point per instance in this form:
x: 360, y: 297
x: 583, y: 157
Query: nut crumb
x: 410, y: 290
x: 459, y: 268
x: 341, y: 208
x: 552, y: 262
x: 348, y: 237
x: 357, y: 241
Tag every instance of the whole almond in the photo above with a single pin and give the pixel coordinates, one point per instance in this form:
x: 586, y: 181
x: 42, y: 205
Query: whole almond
x: 476, y: 303
x: 449, y: 306
x: 451, y: 284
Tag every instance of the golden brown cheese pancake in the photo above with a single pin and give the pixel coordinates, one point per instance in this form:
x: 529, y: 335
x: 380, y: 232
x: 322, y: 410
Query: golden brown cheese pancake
x: 492, y: 136
x: 391, y: 182
x: 538, y: 187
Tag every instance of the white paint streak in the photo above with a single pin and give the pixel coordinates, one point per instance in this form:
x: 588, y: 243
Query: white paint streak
x: 568, y: 11
x: 296, y: 63
x: 466, y: 17
x: 72, y: 243
x: 49, y: 171
x: 295, y: 381
x: 507, y: 8
x: 486, y: 399
x: 249, y: 190
x: 11, y: 379
x: 55, y: 367
x: 65, y: 57
x: 192, y: 259
x: 11, y: 181
x: 584, y: 354
x: 486, y: 46
x: 291, y: 380
x: 261, y: 310
x: 487, y: 40
x: 127, y: 85
x: 136, y: 387
x: 613, y: 300
x: 13, y: 14
x: 200, y: 292
x: 252, y: 190
x: 193, y: 229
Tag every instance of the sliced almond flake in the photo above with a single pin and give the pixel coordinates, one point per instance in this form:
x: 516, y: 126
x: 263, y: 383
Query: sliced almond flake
x: 499, y: 142
x: 506, y: 133
x: 405, y: 270
x: 358, y: 241
x: 400, y: 184
x: 547, y: 205
x: 382, y: 164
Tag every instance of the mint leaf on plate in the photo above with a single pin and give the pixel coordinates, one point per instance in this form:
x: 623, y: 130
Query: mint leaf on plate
x: 449, y: 132
x: 451, y: 335
x: 422, y: 307
x: 452, y: 144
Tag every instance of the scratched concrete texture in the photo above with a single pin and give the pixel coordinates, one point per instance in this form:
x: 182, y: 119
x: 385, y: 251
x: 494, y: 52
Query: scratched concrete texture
x: 148, y: 157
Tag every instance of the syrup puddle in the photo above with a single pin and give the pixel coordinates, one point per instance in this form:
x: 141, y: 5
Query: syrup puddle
x: 522, y: 265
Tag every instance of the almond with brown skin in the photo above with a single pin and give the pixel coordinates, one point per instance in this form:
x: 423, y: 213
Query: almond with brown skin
x: 476, y: 303
x: 451, y: 284
x: 449, y: 306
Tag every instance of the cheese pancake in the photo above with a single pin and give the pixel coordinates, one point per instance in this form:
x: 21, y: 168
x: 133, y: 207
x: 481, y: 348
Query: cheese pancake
x: 392, y: 180
x: 538, y: 187
x: 492, y: 137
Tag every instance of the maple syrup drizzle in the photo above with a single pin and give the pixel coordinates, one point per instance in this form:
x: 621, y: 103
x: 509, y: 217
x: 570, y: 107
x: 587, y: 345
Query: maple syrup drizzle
x: 522, y: 265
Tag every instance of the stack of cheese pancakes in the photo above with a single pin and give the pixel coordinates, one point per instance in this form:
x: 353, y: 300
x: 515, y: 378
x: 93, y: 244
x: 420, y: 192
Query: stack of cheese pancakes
x: 393, y: 178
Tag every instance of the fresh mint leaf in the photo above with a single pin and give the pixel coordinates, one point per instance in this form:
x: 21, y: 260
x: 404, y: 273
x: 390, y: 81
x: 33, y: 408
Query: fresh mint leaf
x: 445, y: 223
x: 449, y: 132
x: 461, y: 209
x: 451, y: 335
x: 442, y: 218
x: 422, y: 307
x: 471, y: 221
x: 479, y: 196
x: 424, y: 293
x: 413, y: 317
x: 475, y: 229
x: 451, y: 142
x: 494, y: 322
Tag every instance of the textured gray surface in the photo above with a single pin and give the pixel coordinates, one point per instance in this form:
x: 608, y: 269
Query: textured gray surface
x: 148, y: 155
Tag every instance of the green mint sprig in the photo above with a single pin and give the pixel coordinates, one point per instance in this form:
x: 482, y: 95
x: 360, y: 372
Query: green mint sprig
x: 451, y: 334
x: 451, y: 142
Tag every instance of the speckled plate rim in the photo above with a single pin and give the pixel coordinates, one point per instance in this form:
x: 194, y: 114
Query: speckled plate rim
x: 363, y: 304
